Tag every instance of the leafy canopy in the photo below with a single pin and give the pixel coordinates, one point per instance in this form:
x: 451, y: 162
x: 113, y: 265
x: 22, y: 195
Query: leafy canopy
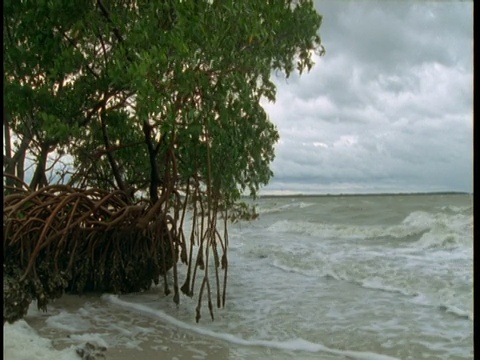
x: 169, y: 90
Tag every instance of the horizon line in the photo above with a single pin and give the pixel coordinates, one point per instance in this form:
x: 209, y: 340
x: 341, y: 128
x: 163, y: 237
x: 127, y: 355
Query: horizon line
x: 364, y: 194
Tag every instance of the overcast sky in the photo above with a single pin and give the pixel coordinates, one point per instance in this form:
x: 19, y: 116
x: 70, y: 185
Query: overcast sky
x: 389, y: 108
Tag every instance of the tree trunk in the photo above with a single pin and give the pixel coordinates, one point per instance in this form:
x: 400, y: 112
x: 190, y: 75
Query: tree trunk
x: 14, y: 165
x: 39, y: 178
x: 111, y: 159
x: 152, y: 154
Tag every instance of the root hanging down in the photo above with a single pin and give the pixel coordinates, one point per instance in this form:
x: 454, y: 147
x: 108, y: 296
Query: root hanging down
x: 61, y: 239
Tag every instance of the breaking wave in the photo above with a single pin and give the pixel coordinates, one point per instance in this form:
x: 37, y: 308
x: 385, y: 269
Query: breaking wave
x: 422, y: 229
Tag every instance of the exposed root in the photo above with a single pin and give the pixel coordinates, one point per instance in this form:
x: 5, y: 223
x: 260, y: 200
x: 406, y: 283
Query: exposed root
x: 59, y: 239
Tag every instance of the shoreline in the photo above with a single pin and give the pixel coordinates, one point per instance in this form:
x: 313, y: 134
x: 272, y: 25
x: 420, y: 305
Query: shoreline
x: 22, y: 343
x: 111, y: 332
x: 92, y: 327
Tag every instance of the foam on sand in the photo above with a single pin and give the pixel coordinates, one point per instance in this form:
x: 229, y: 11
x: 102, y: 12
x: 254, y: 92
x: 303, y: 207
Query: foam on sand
x: 22, y: 342
x: 289, y: 345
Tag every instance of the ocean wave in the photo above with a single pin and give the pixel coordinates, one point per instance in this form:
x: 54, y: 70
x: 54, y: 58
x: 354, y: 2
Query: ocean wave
x: 419, y: 229
x: 297, y: 344
x: 422, y: 219
x: 444, y: 296
x: 343, y: 231
x: 443, y: 304
x: 308, y: 273
x: 276, y: 208
x: 436, y: 239
x: 377, y: 284
x: 456, y: 209
x: 447, y: 232
x: 456, y: 311
x: 373, y: 283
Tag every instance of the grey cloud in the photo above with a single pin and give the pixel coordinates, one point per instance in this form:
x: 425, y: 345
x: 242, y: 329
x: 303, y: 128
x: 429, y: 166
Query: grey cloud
x: 390, y: 106
x: 388, y: 35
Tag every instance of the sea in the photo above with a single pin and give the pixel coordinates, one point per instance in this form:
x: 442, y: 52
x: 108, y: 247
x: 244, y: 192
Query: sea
x: 313, y: 277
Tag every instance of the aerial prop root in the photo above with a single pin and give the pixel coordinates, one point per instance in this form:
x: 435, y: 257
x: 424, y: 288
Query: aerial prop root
x: 61, y: 239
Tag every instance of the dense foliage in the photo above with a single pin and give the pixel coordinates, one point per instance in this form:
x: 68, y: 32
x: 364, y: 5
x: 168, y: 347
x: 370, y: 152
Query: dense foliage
x: 158, y: 98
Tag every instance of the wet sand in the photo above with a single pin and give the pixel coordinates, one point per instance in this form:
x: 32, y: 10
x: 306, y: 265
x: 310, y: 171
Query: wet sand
x: 117, y: 333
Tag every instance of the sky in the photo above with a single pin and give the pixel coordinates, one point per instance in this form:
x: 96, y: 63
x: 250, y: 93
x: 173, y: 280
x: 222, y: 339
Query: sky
x: 388, y: 108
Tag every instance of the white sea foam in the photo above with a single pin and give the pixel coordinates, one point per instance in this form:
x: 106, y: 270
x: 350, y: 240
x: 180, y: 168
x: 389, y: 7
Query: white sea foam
x: 276, y: 208
x: 436, y: 238
x: 377, y: 283
x: 292, y: 269
x: 410, y: 275
x: 342, y: 231
x: 22, y: 342
x: 456, y: 209
x: 68, y: 322
x: 97, y: 339
x: 429, y: 230
x: 290, y: 344
x: 367, y: 280
x: 458, y: 312
x: 447, y: 232
x: 445, y: 303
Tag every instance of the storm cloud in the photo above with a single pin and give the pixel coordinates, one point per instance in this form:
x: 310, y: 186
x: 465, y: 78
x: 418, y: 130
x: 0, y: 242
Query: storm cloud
x: 389, y: 108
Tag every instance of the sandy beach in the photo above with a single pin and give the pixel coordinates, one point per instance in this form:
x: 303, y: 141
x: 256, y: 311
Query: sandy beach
x: 119, y: 334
